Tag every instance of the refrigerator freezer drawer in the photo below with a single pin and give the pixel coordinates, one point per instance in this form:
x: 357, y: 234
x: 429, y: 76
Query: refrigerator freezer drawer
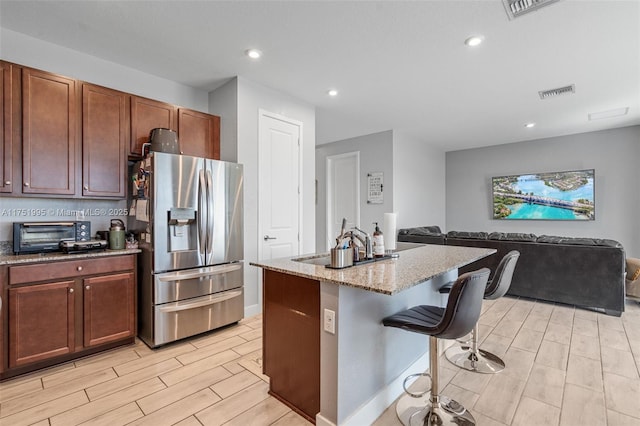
x: 174, y: 321
x: 181, y: 285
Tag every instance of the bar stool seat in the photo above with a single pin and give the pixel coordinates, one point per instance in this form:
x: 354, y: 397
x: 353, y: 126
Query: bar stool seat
x: 454, y: 321
x: 468, y: 355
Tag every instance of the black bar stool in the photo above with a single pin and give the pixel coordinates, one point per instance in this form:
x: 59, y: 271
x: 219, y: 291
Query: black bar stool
x: 456, y: 320
x: 468, y: 355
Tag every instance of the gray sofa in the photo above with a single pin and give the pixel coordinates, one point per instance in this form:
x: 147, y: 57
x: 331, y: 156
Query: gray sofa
x: 585, y: 272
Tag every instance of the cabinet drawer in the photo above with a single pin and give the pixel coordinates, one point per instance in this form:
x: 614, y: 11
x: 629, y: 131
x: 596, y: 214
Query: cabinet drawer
x: 69, y: 269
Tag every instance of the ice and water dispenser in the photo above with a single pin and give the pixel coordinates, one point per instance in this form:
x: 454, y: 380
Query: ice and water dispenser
x: 183, y: 232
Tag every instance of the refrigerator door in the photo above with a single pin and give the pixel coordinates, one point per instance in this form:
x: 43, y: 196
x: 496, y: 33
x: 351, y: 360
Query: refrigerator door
x: 177, y: 211
x: 225, y: 203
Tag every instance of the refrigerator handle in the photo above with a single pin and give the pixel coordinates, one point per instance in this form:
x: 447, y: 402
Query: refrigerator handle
x: 210, y: 216
x: 202, y: 213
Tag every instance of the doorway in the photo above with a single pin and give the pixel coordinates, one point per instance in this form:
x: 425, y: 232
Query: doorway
x: 343, y: 193
x: 279, y: 206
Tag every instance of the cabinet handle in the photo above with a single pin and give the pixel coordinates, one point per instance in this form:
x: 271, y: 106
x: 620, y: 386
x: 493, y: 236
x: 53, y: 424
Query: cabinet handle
x: 88, y: 287
x: 7, y: 182
x: 79, y: 268
x: 26, y: 184
x: 86, y: 187
x: 70, y: 290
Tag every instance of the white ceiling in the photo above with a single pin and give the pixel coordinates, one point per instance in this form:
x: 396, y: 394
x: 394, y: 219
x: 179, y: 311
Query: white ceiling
x: 398, y: 65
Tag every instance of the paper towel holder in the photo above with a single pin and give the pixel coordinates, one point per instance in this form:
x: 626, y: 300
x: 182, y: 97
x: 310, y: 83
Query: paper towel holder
x: 390, y: 231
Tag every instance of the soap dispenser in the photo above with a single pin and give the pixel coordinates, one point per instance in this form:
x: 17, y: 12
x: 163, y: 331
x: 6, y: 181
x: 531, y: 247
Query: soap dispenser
x: 378, y: 242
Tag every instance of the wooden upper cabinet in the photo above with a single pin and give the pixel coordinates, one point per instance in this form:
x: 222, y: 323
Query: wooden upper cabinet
x: 105, y: 137
x: 6, y: 129
x: 49, y: 131
x: 199, y: 134
x: 146, y: 115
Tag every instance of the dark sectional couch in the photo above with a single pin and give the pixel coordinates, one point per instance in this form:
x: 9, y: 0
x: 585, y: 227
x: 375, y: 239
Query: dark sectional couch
x: 585, y: 272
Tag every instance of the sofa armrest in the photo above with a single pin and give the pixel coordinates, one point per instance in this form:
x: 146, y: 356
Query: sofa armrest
x: 633, y: 278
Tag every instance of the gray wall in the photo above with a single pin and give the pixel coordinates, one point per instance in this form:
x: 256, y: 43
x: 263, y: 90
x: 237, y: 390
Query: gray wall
x: 419, y: 182
x: 223, y: 102
x: 614, y: 154
x: 24, y: 50
x: 376, y: 155
x: 251, y: 98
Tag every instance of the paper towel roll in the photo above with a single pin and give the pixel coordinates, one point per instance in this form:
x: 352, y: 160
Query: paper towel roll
x: 389, y: 231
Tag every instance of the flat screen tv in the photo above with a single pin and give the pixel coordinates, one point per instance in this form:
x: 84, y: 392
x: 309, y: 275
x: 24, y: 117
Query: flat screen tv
x: 545, y: 196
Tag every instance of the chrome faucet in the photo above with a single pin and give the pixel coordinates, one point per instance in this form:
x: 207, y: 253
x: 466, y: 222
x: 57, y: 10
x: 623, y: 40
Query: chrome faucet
x: 366, y: 242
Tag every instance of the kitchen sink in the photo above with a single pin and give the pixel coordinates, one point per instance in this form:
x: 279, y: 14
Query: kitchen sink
x: 325, y: 260
x: 322, y: 260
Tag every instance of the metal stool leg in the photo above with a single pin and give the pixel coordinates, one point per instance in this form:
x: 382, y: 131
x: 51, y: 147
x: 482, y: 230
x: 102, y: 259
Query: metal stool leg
x: 432, y: 409
x: 472, y: 358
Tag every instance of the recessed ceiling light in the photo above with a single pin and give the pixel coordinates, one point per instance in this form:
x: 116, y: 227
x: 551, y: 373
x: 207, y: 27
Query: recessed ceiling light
x: 332, y: 92
x: 529, y: 125
x: 474, y: 40
x: 608, y: 114
x: 253, y: 53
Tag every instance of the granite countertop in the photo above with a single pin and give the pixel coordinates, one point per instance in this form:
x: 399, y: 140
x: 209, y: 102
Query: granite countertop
x: 11, y: 259
x: 388, y: 276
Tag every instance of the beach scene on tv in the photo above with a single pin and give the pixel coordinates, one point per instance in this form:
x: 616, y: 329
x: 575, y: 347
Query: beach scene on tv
x: 551, y: 196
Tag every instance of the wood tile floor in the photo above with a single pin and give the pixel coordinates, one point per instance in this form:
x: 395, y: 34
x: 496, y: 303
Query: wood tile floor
x: 565, y: 366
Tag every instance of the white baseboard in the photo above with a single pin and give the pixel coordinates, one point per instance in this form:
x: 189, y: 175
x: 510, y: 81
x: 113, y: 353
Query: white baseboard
x: 322, y: 421
x: 252, y: 310
x: 370, y: 411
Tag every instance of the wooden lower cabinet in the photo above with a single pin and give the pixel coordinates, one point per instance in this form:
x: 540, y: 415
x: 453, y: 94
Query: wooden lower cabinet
x: 80, y: 307
x: 291, y: 341
x: 109, y: 308
x: 41, y: 322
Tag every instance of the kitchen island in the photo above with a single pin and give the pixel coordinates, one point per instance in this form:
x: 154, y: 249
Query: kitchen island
x: 324, y: 347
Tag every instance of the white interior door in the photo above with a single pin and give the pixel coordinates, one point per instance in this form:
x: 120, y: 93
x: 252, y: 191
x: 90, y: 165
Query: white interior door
x: 343, y: 193
x: 278, y: 187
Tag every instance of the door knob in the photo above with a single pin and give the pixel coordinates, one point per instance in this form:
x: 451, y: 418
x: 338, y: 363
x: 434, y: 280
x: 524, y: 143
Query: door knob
x: 266, y: 237
x: 7, y: 182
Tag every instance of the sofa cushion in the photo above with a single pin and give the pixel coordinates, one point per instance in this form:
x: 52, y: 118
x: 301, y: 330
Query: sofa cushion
x: 578, y: 241
x: 467, y: 235
x: 421, y: 230
x: 512, y: 236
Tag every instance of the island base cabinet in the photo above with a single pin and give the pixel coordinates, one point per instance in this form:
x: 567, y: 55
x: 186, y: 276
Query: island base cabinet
x: 41, y: 323
x: 291, y: 335
x: 109, y: 307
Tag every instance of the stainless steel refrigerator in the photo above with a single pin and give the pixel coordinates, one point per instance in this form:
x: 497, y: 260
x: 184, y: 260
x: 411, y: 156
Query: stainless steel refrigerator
x: 187, y: 212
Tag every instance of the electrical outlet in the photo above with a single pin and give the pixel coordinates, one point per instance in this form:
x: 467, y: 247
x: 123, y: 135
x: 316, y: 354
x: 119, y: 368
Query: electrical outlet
x: 329, y: 321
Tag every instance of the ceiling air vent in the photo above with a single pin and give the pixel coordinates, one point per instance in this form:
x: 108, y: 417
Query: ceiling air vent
x: 516, y: 8
x: 566, y: 90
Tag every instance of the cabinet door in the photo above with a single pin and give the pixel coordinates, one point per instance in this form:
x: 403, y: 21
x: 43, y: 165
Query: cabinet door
x: 6, y: 129
x: 291, y: 336
x: 199, y: 134
x: 105, y: 132
x: 109, y: 308
x: 41, y: 322
x: 146, y: 115
x: 48, y: 133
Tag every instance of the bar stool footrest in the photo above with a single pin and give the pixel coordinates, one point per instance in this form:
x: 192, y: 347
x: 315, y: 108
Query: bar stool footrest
x: 416, y: 394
